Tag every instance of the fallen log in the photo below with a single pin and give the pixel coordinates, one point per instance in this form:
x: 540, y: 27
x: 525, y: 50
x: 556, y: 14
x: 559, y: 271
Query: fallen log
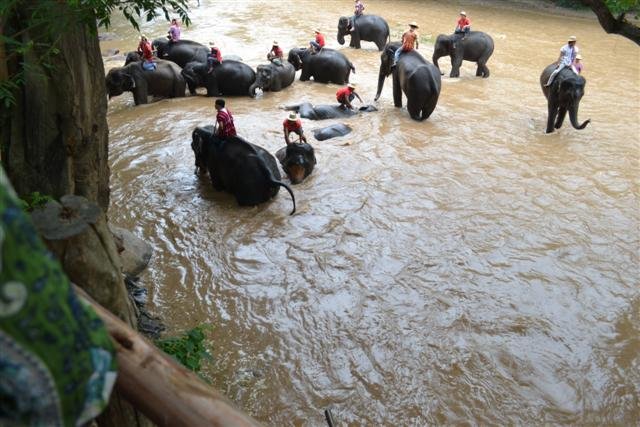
x: 162, y: 389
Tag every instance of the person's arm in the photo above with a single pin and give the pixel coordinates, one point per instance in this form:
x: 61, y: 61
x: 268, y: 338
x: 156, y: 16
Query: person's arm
x: 286, y: 135
x: 417, y: 42
x: 358, y: 96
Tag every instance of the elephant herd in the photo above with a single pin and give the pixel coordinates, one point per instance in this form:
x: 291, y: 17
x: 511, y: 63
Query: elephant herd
x: 250, y: 172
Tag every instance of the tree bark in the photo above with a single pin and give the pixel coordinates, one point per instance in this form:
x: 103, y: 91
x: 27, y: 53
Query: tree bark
x: 57, y: 136
x: 611, y: 24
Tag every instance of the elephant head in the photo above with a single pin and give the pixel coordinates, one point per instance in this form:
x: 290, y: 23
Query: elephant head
x: 386, y: 61
x: 201, y: 144
x: 296, y: 56
x: 119, y: 80
x: 161, y: 46
x: 570, y: 90
x: 132, y: 57
x: 343, y: 29
x: 444, y: 46
x: 264, y: 75
x: 193, y: 74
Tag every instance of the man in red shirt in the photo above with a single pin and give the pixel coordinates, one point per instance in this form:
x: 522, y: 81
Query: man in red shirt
x: 293, y: 124
x: 145, y: 50
x: 318, y: 43
x: 409, y: 42
x: 275, y: 55
x: 463, y: 26
x: 345, y: 95
x: 214, y: 57
x: 224, y: 121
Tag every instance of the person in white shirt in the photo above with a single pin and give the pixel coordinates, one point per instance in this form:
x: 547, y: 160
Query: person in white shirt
x: 568, y: 54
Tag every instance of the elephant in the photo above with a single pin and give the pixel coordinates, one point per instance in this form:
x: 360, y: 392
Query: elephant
x: 165, y: 81
x: 338, y: 129
x: 322, y: 112
x: 132, y: 56
x: 326, y: 66
x: 563, y: 95
x: 475, y: 47
x: 238, y: 167
x: 370, y: 28
x: 181, y: 52
x: 272, y: 77
x: 297, y: 160
x: 415, y: 76
x: 228, y: 78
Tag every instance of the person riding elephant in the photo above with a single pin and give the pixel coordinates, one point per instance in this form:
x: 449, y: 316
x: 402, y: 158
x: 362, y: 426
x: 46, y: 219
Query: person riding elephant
x: 413, y: 75
x: 326, y: 66
x: 229, y: 78
x: 563, y: 96
x: 165, y: 81
x: 273, y: 77
x: 297, y: 161
x: 246, y: 170
x: 476, y: 46
x: 370, y: 28
x: 324, y: 111
x: 181, y: 52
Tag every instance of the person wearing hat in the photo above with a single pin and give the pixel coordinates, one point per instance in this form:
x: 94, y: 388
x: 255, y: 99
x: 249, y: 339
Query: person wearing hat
x: 174, y: 31
x: 358, y: 9
x: 463, y: 26
x: 146, y: 52
x: 318, y: 43
x: 568, y: 54
x: 275, y: 55
x: 224, y: 120
x: 214, y: 57
x: 409, y: 42
x: 577, y: 64
x: 345, y: 95
x: 293, y: 124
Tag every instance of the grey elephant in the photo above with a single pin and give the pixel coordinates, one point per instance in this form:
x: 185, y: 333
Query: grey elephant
x: 323, y: 112
x: 370, y: 28
x: 563, y: 95
x: 165, y: 81
x: 297, y: 161
x: 228, y: 78
x: 326, y: 66
x: 475, y: 47
x: 273, y: 77
x: 415, y: 76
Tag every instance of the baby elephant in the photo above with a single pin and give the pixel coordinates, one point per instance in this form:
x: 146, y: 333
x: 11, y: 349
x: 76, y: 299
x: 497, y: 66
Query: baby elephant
x: 297, y: 160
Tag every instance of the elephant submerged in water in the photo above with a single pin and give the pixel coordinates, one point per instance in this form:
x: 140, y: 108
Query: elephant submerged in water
x: 413, y: 75
x: 236, y: 166
x: 165, y: 81
x: 475, y: 47
x: 272, y: 77
x: 297, y: 160
x: 326, y: 66
x: 322, y: 112
x: 563, y: 95
x: 227, y: 78
x: 332, y: 131
x: 366, y: 27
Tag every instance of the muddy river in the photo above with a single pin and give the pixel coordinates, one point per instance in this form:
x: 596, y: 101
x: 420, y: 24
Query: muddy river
x: 468, y: 269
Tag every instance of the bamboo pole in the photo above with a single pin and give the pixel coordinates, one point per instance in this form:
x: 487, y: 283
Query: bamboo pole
x: 163, y: 390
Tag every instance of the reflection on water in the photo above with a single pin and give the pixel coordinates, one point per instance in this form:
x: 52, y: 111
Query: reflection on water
x: 468, y: 268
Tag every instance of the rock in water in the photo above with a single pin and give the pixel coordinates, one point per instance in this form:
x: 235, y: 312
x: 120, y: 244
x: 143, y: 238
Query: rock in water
x: 134, y: 252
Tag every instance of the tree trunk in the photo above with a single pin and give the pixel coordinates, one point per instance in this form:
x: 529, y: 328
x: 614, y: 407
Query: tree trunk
x: 55, y: 138
x: 611, y: 24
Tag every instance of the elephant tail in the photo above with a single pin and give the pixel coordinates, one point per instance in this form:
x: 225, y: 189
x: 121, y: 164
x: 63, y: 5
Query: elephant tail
x: 351, y: 66
x: 278, y: 183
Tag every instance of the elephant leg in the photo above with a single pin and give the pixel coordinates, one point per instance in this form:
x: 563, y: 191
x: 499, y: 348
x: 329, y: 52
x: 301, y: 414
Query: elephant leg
x: 552, y: 111
x: 483, y: 70
x: 355, y: 40
x: 479, y: 70
x: 305, y: 75
x: 455, y: 67
x: 562, y: 112
x: 212, y: 88
x: 429, y: 106
x: 397, y: 90
x: 140, y: 95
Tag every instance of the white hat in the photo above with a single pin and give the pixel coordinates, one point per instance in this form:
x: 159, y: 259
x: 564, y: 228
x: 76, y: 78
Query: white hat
x: 142, y: 36
x: 316, y: 30
x: 572, y: 39
x: 292, y: 117
x: 462, y: 12
x: 413, y: 24
x: 351, y: 85
x: 275, y: 43
x: 578, y: 56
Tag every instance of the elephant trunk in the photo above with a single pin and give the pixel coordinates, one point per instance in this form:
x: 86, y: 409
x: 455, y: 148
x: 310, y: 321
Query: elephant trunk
x: 381, y: 78
x: 340, y: 37
x: 573, y: 116
x: 252, y: 89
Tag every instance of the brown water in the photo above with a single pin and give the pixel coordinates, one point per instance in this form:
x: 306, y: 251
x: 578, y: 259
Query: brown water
x: 464, y: 270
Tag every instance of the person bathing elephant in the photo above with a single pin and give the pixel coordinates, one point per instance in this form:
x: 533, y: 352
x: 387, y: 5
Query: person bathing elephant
x: 370, y: 28
x: 165, y: 81
x: 238, y: 167
x: 273, y: 77
x: 476, y: 46
x: 326, y: 66
x: 413, y: 75
x: 228, y: 78
x: 563, y: 96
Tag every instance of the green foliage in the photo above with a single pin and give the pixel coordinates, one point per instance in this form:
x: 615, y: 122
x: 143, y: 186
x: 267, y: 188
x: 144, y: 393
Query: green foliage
x: 618, y: 7
x: 35, y: 200
x: 188, y: 349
